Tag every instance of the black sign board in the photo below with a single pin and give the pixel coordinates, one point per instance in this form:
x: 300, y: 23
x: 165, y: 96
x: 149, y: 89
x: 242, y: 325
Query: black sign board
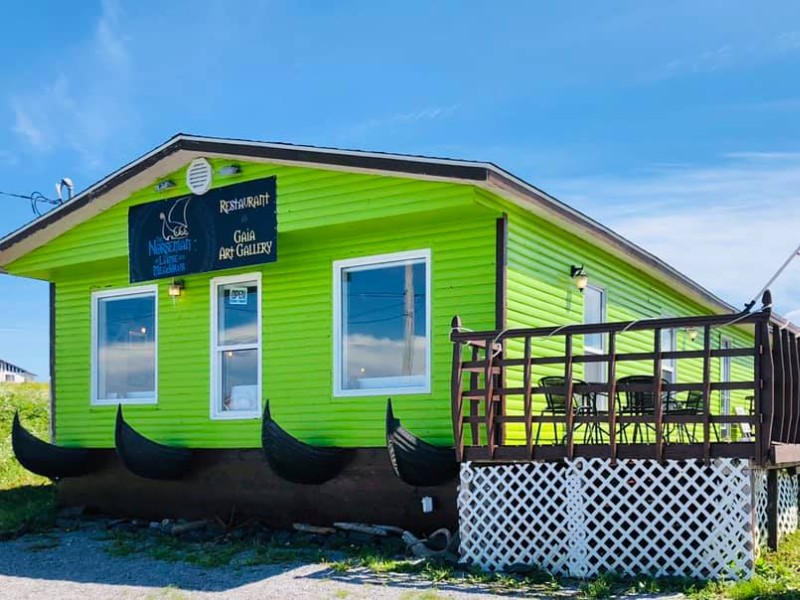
x: 225, y: 228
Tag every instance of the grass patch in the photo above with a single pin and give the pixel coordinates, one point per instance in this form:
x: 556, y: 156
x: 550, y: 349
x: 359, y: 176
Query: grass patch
x: 533, y: 581
x: 777, y: 575
x: 27, y: 501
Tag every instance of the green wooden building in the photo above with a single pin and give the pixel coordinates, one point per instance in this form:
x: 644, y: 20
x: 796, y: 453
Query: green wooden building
x: 349, y: 302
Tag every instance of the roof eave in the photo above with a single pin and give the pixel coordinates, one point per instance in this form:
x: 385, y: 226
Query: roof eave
x: 483, y: 174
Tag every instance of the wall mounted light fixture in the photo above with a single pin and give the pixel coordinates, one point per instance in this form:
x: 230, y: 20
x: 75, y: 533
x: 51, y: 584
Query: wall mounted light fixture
x: 229, y: 170
x: 581, y: 278
x: 692, y: 333
x: 162, y: 186
x: 175, y: 288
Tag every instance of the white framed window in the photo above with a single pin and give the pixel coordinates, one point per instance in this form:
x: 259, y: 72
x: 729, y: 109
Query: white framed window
x: 236, y: 347
x: 594, y: 311
x: 669, y: 343
x: 125, y: 346
x: 382, y: 324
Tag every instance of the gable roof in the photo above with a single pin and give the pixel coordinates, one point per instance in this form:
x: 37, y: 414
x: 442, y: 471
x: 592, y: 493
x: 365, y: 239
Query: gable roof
x: 182, y: 148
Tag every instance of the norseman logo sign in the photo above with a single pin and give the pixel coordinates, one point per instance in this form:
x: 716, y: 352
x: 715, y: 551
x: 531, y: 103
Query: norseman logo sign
x: 225, y: 228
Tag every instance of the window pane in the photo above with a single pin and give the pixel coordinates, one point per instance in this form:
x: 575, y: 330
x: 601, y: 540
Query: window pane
x: 237, y: 316
x: 126, y: 363
x: 239, y: 380
x: 384, y: 324
x: 593, y: 313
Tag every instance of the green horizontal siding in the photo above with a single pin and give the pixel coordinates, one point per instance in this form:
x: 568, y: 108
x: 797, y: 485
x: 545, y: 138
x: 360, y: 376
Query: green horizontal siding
x: 541, y: 292
x: 307, y: 198
x: 323, y: 216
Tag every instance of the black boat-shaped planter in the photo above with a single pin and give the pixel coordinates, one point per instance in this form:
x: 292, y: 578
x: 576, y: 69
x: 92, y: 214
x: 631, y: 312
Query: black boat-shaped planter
x: 146, y: 458
x: 415, y: 461
x: 297, y: 461
x: 48, y: 460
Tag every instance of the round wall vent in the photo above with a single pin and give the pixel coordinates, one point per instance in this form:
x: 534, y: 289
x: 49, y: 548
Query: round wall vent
x: 198, y: 176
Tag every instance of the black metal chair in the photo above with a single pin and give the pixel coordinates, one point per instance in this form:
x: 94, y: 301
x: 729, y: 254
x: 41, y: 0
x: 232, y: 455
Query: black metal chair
x: 556, y: 405
x: 637, y: 403
x: 692, y: 406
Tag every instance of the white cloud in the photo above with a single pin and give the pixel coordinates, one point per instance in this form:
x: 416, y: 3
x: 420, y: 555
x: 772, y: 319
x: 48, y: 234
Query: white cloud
x: 729, y: 226
x: 86, y: 102
x: 405, y: 119
x: 727, y: 56
x: 370, y: 356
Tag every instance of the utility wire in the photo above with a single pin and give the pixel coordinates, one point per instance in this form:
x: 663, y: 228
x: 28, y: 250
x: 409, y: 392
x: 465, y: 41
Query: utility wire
x: 34, y: 198
x: 772, y: 279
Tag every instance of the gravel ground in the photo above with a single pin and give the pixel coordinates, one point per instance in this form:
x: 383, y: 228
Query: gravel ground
x: 75, y: 565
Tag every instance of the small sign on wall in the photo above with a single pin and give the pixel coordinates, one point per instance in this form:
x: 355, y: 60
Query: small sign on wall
x: 225, y: 228
x: 237, y: 296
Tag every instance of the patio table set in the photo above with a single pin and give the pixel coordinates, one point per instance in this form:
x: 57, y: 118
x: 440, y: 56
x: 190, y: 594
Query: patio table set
x: 633, y: 399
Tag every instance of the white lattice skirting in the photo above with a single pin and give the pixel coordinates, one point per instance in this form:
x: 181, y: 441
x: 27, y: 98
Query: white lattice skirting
x: 584, y: 517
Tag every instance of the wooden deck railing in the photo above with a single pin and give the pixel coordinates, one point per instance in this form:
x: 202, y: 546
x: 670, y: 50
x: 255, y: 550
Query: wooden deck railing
x: 494, y: 419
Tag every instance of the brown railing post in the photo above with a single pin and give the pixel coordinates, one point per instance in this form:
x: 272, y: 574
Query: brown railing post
x: 772, y: 509
x: 568, y: 400
x: 474, y: 403
x: 527, y: 404
x: 456, y: 388
x: 794, y: 437
x: 489, y: 407
x: 792, y: 402
x: 780, y: 350
x: 659, y: 404
x: 764, y: 390
x: 707, y: 394
x: 612, y: 395
x: 783, y: 402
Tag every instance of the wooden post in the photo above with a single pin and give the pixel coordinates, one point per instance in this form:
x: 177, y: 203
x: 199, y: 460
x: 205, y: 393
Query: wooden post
x: 456, y: 389
x: 489, y: 407
x: 612, y: 395
x: 772, y: 509
x: 527, y: 383
x: 707, y: 394
x: 767, y: 388
x: 793, y: 404
x: 474, y: 380
x: 657, y: 400
x: 791, y: 387
x: 779, y: 352
x: 568, y: 399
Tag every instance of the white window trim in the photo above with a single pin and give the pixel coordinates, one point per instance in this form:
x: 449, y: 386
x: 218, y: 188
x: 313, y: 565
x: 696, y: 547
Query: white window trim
x: 142, y: 290
x: 602, y: 400
x: 670, y: 365
x: 369, y: 262
x: 603, y: 319
x: 214, y: 412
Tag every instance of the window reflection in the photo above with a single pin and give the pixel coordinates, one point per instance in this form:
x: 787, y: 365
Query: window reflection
x: 384, y: 326
x: 126, y: 333
x: 237, y: 348
x: 240, y: 380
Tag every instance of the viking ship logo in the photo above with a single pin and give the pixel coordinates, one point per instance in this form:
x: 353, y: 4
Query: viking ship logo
x: 174, y: 225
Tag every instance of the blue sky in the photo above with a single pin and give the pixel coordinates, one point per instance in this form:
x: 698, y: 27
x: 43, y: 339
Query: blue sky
x: 674, y: 123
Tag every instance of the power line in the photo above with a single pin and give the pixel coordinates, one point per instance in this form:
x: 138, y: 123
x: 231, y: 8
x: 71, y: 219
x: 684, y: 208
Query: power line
x: 35, y: 198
